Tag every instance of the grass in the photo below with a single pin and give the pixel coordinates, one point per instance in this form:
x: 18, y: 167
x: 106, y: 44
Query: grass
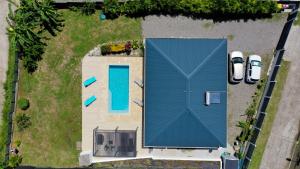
x: 268, y: 122
x: 8, y: 87
x: 230, y: 37
x: 297, y: 21
x: 149, y: 163
x: 276, y: 17
x: 54, y: 90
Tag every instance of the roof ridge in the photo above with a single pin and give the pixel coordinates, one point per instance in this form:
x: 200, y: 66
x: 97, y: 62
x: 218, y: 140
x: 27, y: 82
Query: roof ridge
x: 193, y: 113
x: 170, y: 60
x: 206, y: 59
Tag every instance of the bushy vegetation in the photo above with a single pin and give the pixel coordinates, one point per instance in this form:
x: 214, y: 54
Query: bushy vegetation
x: 88, y: 8
x: 195, y: 8
x: 8, y: 89
x: 27, y: 25
x: 120, y: 47
x: 250, y: 113
x: 23, y: 121
x: 14, y: 161
x: 23, y: 103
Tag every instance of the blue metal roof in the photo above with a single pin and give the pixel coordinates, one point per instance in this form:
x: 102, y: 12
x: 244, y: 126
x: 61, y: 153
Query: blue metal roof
x: 178, y: 72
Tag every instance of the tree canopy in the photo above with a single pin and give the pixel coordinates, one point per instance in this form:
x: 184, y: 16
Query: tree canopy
x: 28, y: 23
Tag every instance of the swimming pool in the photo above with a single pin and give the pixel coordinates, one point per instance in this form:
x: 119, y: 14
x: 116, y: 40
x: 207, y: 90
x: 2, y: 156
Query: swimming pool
x: 118, y: 88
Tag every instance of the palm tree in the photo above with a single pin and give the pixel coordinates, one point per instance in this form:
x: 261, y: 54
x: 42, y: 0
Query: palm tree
x: 47, y: 16
x: 22, y: 31
x: 242, y: 124
x: 27, y: 23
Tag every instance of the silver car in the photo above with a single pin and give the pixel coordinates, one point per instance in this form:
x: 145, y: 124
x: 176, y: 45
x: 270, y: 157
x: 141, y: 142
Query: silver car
x: 236, y: 66
x: 253, y: 68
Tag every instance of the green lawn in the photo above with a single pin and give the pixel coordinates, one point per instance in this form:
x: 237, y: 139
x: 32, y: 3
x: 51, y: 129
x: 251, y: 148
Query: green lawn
x: 271, y: 113
x: 54, y: 90
x: 297, y: 21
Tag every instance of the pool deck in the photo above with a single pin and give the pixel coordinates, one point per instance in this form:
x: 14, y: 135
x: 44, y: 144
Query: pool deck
x: 97, y: 114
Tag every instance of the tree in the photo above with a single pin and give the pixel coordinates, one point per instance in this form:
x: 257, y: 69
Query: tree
x: 27, y: 24
x: 42, y: 13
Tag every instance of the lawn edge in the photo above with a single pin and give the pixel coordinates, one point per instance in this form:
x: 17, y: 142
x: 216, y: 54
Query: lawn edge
x: 266, y: 130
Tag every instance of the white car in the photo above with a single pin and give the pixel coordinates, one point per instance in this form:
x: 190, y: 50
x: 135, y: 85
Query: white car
x: 236, y: 66
x: 253, y: 68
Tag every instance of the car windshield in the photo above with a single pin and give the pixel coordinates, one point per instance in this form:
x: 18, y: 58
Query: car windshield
x: 237, y: 60
x: 256, y: 63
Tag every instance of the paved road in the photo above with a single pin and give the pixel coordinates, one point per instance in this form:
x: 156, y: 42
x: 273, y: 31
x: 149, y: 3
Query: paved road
x: 285, y: 127
x: 259, y: 36
x: 3, y: 49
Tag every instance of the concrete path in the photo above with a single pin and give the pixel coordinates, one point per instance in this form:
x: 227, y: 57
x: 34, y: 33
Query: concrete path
x: 3, y: 49
x: 285, y: 126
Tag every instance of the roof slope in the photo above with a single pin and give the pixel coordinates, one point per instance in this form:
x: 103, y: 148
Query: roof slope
x: 178, y: 72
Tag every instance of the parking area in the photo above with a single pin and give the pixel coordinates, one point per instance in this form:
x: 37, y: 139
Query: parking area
x: 251, y: 37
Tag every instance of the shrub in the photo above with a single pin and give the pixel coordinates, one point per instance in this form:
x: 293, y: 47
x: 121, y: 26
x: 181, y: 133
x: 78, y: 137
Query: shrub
x: 117, y: 48
x: 135, y: 44
x: 23, y: 103
x: 239, y: 155
x: 18, y: 143
x: 141, y: 45
x: 112, y: 8
x: 88, y: 8
x: 23, y: 121
x: 128, y: 47
x: 15, y: 161
x: 259, y: 86
x: 105, y: 49
x: 250, y: 112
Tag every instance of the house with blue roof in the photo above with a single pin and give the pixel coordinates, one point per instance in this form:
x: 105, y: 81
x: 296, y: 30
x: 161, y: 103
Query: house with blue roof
x: 158, y: 106
x: 178, y: 75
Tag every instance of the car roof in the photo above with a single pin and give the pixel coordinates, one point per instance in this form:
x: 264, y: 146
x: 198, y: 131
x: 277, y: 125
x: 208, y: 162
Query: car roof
x: 236, y: 54
x: 254, y: 57
x: 255, y: 74
x: 238, y: 71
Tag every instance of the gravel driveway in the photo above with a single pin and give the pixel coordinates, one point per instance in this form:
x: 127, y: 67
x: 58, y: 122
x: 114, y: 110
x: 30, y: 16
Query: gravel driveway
x: 252, y: 36
x: 3, y: 50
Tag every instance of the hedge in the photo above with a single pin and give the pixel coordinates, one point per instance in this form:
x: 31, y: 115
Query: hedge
x: 8, y: 88
x: 195, y: 8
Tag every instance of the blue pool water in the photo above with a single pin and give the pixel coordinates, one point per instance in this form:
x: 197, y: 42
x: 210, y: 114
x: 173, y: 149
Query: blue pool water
x: 118, y: 88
